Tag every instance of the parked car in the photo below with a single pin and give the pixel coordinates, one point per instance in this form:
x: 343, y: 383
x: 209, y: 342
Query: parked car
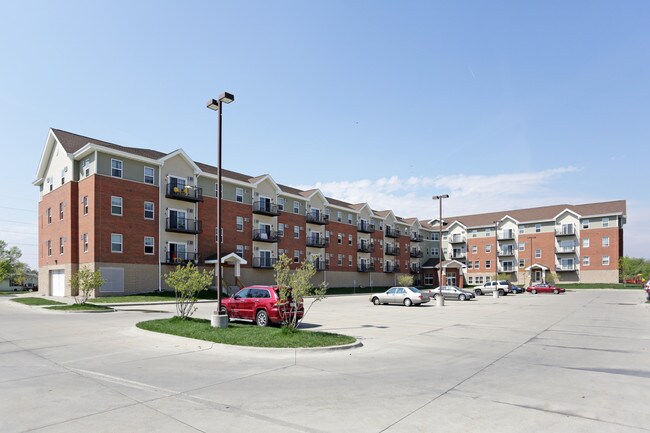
x: 516, y: 289
x: 647, y: 290
x: 452, y: 292
x: 502, y: 286
x: 401, y: 295
x: 544, y: 288
x: 261, y: 304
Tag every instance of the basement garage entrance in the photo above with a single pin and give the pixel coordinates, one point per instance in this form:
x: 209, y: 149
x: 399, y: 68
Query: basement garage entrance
x: 57, y: 282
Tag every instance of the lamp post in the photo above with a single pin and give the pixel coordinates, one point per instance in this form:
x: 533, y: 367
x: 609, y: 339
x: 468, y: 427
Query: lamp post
x: 217, y: 105
x: 440, y: 301
x: 530, y: 238
x: 495, y: 293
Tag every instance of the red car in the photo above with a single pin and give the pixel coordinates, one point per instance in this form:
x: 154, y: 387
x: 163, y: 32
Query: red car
x: 544, y: 288
x: 261, y: 304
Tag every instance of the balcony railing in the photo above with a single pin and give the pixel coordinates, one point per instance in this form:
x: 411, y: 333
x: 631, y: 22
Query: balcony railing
x: 180, y: 258
x: 265, y: 235
x: 264, y: 262
x: 565, y: 250
x: 389, y: 268
x: 458, y: 255
x: 507, y: 269
x: 416, y: 237
x: 365, y: 247
x: 566, y: 230
x: 184, y: 192
x: 506, y: 235
x: 415, y: 269
x: 366, y: 267
x: 319, y: 218
x: 183, y: 225
x: 457, y: 239
x: 365, y: 227
x: 391, y: 250
x: 392, y: 232
x: 415, y: 253
x: 264, y: 207
x: 506, y: 253
x: 317, y: 242
x: 566, y: 268
x: 321, y: 265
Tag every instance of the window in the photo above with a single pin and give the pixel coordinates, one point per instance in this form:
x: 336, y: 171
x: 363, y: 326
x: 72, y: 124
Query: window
x: 349, y: 218
x: 148, y: 175
x: 116, y: 168
x: 435, y: 251
x: 340, y: 260
x: 488, y: 264
x: 585, y: 243
x: 605, y: 222
x: 428, y: 279
x: 239, y: 195
x: 522, y: 263
x: 339, y: 216
x: 605, y: 260
x: 61, y: 244
x: 487, y: 279
x: 63, y: 176
x: 86, y: 167
x: 585, y: 261
x: 116, y: 205
x: 606, y: 241
x: 84, y: 238
x: 522, y: 246
x: 49, y: 248
x: 477, y: 264
x: 349, y: 239
x: 474, y: 233
x: 296, y: 206
x: 474, y: 249
x: 470, y: 280
x: 470, y: 264
x: 487, y: 232
x: 435, y: 236
x: 340, y: 239
x: 116, y: 243
x: 61, y: 210
x: 521, y: 230
x: 585, y: 224
x: 281, y: 230
x: 49, y: 215
x: 538, y: 253
x: 85, y: 204
x: 280, y: 203
x: 239, y: 250
x: 488, y: 248
x: 350, y: 261
x: 479, y: 280
x: 239, y: 224
x: 296, y: 232
x: 148, y: 210
x: 538, y: 228
x: 216, y: 189
x: 148, y: 244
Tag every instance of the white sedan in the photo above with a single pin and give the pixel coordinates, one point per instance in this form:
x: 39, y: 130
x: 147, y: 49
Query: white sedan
x: 400, y: 295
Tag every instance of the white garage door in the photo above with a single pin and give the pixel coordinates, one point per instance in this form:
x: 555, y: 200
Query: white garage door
x: 57, y: 282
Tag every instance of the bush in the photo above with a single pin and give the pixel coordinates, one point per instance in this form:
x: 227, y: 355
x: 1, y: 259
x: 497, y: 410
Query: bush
x: 84, y: 282
x: 405, y: 280
x: 187, y: 281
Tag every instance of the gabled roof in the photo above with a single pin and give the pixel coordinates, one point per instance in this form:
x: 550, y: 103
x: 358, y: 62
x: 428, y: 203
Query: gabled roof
x: 72, y: 142
x: 182, y: 154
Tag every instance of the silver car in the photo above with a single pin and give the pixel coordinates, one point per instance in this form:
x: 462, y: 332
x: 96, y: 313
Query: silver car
x: 452, y: 292
x: 400, y: 295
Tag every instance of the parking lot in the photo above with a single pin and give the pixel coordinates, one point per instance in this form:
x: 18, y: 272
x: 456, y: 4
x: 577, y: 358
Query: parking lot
x: 562, y: 363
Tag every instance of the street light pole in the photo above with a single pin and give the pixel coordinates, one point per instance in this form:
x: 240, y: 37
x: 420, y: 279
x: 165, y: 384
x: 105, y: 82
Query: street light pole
x: 217, y: 105
x: 440, y: 301
x: 495, y: 293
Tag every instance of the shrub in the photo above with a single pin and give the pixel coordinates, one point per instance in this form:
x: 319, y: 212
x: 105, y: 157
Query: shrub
x: 84, y: 282
x: 187, y: 281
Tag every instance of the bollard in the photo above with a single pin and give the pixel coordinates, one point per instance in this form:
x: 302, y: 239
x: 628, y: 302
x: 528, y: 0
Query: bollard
x: 495, y: 294
x: 219, y: 320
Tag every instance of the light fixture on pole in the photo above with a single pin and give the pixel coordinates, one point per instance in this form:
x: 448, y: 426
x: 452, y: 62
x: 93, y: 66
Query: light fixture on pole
x: 495, y: 292
x: 217, y: 105
x: 440, y: 300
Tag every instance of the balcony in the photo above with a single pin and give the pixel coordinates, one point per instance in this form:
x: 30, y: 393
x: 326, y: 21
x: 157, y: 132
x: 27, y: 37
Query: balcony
x: 391, y: 250
x: 320, y: 219
x: 321, y: 265
x: 180, y: 258
x: 416, y: 253
x: 457, y: 239
x: 183, y: 225
x: 458, y: 255
x: 262, y: 235
x: 415, y: 269
x: 365, y: 227
x: 365, y: 247
x: 565, y: 250
x: 264, y: 207
x: 366, y: 267
x: 416, y: 237
x: 264, y: 262
x: 390, y: 268
x: 566, y: 230
x: 506, y: 253
x: 317, y: 242
x: 566, y: 268
x: 391, y: 232
x: 506, y: 235
x: 507, y: 269
x: 184, y: 192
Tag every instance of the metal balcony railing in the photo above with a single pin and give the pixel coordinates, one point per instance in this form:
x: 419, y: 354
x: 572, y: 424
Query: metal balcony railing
x: 416, y: 237
x: 183, y: 225
x: 389, y: 268
x: 565, y: 250
x: 457, y: 239
x: 392, y: 232
x: 365, y: 227
x: 365, y: 247
x: 321, y: 219
x: 566, y: 268
x: 566, y: 230
x: 264, y: 207
x: 506, y: 235
x: 180, y: 258
x: 317, y: 242
x: 506, y: 253
x: 415, y: 253
x: 265, y: 235
x: 264, y: 262
x: 184, y: 192
x: 415, y: 269
x: 458, y: 255
x: 391, y: 250
x: 321, y: 265
x: 366, y: 267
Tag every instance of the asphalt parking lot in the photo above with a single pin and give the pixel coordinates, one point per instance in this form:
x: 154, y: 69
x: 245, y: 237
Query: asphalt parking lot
x: 562, y: 363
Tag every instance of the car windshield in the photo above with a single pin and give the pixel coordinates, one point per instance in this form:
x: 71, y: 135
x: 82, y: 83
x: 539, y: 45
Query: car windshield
x: 414, y: 290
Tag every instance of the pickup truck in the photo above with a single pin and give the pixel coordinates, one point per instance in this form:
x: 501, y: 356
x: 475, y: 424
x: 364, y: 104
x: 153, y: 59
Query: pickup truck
x: 502, y: 286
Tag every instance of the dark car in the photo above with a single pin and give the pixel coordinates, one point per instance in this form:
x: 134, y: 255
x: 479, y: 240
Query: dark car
x: 516, y: 289
x: 260, y: 304
x: 544, y: 288
x: 452, y: 292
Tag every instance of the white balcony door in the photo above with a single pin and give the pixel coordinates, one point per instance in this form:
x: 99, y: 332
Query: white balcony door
x: 265, y: 258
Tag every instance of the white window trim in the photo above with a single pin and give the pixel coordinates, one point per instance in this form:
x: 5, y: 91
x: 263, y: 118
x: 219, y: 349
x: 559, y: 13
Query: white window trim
x: 121, y: 243
x: 153, y: 245
x: 153, y: 175
x: 121, y: 176
x: 239, y: 195
x: 121, y: 205
x: 153, y: 205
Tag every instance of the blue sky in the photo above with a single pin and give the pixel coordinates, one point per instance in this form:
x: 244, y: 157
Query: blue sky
x: 501, y: 104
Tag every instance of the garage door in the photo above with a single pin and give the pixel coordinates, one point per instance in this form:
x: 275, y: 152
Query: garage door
x: 57, y: 282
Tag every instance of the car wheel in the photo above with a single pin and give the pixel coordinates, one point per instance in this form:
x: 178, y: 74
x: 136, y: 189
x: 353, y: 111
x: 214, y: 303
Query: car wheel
x: 375, y: 301
x: 224, y: 311
x: 478, y: 292
x: 556, y: 291
x: 462, y: 297
x: 262, y: 318
x: 408, y: 302
x: 501, y: 292
x: 534, y: 292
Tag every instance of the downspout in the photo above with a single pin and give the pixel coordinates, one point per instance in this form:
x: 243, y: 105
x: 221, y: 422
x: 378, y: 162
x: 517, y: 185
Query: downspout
x: 159, y: 231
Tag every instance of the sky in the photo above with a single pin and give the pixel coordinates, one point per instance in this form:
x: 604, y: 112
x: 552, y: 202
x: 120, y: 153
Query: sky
x: 501, y: 104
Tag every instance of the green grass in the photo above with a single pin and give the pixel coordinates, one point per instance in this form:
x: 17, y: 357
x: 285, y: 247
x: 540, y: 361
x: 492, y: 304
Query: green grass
x: 79, y: 307
x: 166, y: 296
x: 244, y: 334
x: 598, y: 286
x: 36, y: 301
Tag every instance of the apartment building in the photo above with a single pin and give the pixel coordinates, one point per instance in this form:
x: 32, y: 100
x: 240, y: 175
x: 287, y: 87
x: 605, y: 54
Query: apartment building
x: 135, y: 214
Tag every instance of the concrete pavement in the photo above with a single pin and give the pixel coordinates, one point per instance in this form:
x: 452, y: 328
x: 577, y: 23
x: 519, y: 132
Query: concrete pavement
x: 567, y: 363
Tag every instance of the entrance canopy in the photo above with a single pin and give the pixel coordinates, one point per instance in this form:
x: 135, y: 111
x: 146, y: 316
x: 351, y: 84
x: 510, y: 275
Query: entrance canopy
x: 229, y: 259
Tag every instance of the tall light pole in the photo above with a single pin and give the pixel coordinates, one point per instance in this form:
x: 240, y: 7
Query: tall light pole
x: 495, y: 293
x: 440, y: 302
x: 217, y: 105
x: 530, y: 238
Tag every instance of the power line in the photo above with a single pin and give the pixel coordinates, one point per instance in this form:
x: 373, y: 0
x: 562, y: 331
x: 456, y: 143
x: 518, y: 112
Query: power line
x: 18, y: 233
x: 22, y: 243
x: 15, y: 208
x: 18, y: 222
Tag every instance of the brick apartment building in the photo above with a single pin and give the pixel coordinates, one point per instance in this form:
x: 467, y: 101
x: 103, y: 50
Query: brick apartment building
x: 135, y: 214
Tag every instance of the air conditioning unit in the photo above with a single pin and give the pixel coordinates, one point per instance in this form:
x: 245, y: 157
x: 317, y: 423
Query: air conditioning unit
x: 190, y: 242
x: 49, y: 180
x: 257, y: 194
x: 246, y: 248
x: 65, y: 169
x: 257, y: 221
x: 190, y: 179
x: 302, y: 229
x: 257, y: 248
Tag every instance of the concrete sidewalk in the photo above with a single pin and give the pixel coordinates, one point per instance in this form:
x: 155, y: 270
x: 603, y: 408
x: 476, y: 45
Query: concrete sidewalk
x: 567, y: 363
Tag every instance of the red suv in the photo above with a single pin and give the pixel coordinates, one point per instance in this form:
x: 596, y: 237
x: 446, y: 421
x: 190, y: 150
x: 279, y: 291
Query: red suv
x: 260, y: 304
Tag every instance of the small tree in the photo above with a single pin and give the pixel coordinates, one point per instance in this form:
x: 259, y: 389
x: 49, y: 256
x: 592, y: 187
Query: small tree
x: 405, y: 280
x: 625, y: 266
x: 187, y: 281
x: 293, y: 287
x: 84, y: 282
x: 551, y: 278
